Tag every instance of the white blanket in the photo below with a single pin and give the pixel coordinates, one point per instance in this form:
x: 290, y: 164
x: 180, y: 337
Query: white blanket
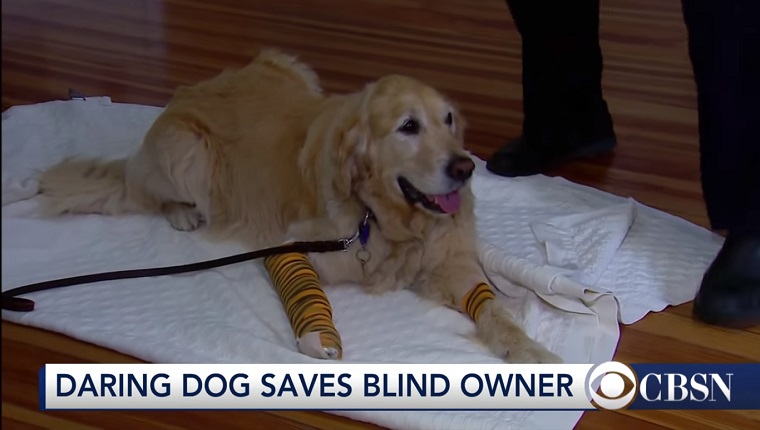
x: 571, y: 261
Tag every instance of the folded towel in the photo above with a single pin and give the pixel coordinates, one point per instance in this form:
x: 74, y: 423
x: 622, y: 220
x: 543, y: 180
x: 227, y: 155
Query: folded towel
x: 570, y: 262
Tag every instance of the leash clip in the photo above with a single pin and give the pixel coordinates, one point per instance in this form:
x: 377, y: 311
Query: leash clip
x: 346, y: 242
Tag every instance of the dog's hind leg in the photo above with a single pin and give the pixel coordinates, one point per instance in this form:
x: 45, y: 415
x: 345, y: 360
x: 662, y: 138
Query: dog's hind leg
x: 183, y: 216
x: 172, y: 172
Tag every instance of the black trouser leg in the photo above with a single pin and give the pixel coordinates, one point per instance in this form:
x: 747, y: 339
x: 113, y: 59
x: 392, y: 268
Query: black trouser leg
x: 724, y: 46
x: 565, y: 115
x: 562, y: 70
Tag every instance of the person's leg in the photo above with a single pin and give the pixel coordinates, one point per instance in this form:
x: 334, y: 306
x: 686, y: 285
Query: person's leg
x: 565, y: 115
x: 724, y: 47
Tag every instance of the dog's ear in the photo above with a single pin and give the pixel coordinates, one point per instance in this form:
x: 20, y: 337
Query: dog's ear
x: 335, y: 148
x: 460, y: 122
x: 351, y: 157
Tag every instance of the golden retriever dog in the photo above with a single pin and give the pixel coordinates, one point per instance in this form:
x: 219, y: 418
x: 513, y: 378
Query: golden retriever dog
x: 261, y: 154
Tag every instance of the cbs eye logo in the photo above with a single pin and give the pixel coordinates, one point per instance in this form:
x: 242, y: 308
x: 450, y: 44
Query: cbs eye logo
x: 617, y: 384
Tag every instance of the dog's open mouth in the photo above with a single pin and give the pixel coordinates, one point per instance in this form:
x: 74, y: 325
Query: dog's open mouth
x: 440, y: 203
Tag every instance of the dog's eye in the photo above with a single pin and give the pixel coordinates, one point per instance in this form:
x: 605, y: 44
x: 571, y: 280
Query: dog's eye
x: 410, y: 126
x: 449, y: 119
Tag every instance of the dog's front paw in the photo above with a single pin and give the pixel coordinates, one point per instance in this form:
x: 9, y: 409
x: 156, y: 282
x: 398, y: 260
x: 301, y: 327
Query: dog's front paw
x: 507, y: 340
x: 312, y: 345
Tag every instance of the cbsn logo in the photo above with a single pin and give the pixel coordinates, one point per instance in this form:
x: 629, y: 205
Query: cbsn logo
x: 614, y: 385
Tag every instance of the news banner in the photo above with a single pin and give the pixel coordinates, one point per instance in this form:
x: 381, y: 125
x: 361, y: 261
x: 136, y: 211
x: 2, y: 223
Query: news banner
x: 336, y: 386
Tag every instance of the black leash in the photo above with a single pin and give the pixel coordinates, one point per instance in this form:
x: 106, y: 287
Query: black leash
x: 11, y: 301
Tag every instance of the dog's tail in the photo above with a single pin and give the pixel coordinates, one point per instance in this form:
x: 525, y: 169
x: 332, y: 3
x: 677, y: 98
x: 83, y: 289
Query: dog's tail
x: 87, y: 186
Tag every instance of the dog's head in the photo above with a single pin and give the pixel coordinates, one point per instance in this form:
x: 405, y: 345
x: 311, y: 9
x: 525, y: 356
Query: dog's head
x: 406, y: 150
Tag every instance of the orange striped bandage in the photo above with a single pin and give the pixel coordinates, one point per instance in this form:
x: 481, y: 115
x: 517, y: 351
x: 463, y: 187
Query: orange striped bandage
x: 473, y: 301
x: 306, y: 305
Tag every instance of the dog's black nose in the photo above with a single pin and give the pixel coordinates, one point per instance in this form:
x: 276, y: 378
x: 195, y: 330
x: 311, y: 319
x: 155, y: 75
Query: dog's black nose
x: 460, y: 168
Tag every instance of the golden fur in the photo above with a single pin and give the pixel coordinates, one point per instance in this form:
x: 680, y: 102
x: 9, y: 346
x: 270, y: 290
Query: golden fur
x: 261, y: 155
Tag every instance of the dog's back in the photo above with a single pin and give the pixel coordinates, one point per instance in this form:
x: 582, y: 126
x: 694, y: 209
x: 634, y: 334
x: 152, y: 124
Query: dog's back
x: 234, y: 140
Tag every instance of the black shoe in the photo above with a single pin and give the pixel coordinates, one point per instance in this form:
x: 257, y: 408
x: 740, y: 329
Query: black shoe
x: 730, y: 291
x: 519, y: 158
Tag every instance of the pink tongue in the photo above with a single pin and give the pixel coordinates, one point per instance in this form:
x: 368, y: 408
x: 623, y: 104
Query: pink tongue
x: 448, y: 202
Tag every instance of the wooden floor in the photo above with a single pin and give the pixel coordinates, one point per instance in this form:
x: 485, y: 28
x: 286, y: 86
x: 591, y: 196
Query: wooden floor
x: 138, y: 51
